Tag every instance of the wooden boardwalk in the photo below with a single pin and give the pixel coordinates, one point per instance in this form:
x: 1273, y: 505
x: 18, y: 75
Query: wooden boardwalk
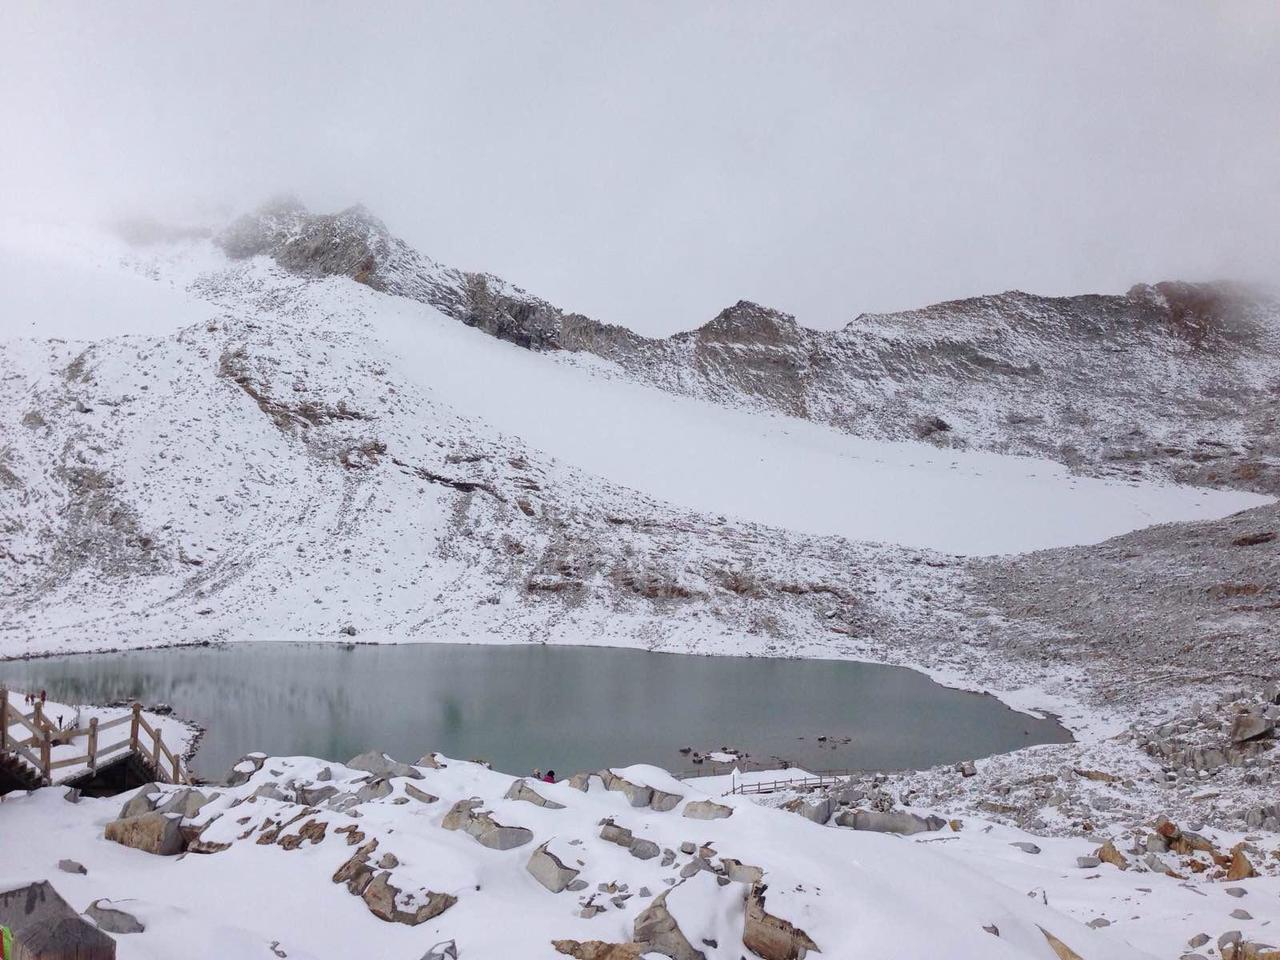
x: 36, y: 752
x: 825, y: 778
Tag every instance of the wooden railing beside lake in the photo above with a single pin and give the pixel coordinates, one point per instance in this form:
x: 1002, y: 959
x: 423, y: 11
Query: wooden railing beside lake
x: 825, y: 778
x: 35, y: 749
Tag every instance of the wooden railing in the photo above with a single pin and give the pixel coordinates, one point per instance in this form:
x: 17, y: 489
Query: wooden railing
x: 824, y: 778
x: 144, y: 740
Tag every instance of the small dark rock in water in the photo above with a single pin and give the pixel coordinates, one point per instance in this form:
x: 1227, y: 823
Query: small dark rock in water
x: 686, y: 750
x: 163, y: 709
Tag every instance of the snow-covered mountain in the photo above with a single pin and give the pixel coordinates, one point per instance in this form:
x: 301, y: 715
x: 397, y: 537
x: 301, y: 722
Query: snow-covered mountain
x: 1173, y: 380
x: 283, y: 452
x: 298, y: 427
x: 228, y: 438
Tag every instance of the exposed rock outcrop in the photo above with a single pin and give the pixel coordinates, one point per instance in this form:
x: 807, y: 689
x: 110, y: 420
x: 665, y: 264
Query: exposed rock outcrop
x: 770, y: 937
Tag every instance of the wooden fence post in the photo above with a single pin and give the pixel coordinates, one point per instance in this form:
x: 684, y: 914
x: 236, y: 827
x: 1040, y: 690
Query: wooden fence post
x: 176, y: 775
x: 45, y: 744
x: 38, y: 714
x: 4, y: 719
x: 155, y: 749
x: 133, y: 727
x: 93, y: 744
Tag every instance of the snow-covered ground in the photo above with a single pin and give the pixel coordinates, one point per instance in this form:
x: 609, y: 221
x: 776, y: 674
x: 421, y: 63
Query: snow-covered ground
x: 964, y: 894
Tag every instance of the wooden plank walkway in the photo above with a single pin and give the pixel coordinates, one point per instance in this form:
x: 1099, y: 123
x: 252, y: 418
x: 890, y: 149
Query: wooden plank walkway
x: 36, y: 752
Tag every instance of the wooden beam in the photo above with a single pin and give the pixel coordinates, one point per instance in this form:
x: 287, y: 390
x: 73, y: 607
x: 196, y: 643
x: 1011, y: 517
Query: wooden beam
x: 93, y: 744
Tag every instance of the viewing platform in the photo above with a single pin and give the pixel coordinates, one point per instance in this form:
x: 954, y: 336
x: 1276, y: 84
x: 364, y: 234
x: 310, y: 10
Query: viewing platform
x: 100, y: 757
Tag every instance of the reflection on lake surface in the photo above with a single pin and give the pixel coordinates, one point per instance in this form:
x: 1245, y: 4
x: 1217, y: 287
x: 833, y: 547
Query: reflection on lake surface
x: 564, y: 708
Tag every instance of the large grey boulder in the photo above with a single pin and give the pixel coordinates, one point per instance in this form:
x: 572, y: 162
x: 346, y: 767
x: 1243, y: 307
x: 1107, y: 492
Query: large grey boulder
x: 656, y: 929
x: 817, y: 809
x: 381, y: 765
x: 549, y: 870
x: 613, y: 833
x: 460, y: 813
x: 144, y: 801
x: 893, y: 821
x: 156, y: 833
x: 112, y: 919
x: 244, y: 769
x: 520, y: 790
x: 465, y: 815
x: 271, y: 791
x: 1251, y: 726
x: 44, y: 925
x: 420, y: 795
x: 186, y: 802
x: 375, y: 789
x: 313, y: 796
x: 662, y: 802
x: 643, y: 849
x: 706, y: 810
x: 387, y: 902
x: 637, y: 794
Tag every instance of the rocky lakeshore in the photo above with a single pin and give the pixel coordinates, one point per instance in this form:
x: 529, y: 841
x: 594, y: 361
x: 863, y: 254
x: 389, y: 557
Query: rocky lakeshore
x: 444, y: 859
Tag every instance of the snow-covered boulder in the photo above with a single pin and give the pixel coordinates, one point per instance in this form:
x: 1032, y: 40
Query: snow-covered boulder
x: 156, y: 833
x: 381, y: 765
x: 549, y: 869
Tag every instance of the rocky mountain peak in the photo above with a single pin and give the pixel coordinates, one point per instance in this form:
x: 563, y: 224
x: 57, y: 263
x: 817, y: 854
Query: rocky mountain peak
x: 351, y: 243
x: 748, y: 321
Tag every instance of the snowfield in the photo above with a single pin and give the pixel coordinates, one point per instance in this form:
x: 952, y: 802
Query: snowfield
x: 776, y: 470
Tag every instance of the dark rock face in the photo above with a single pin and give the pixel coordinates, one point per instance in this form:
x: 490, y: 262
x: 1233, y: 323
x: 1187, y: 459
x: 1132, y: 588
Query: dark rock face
x: 355, y: 244
x: 45, y: 925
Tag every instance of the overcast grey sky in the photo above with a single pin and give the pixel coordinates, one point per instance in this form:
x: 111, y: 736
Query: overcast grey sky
x: 648, y: 163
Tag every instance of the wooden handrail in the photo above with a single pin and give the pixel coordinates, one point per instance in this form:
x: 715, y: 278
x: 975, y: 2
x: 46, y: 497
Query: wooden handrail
x: 26, y: 755
x: 167, y: 765
x: 114, y: 748
x: 28, y: 722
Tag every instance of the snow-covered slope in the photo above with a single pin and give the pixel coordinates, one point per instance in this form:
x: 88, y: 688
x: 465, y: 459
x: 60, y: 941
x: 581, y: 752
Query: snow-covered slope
x: 307, y: 454
x: 1172, y: 381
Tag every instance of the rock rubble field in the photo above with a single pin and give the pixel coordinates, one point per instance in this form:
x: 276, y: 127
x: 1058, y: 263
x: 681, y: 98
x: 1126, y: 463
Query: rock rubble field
x: 298, y: 857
